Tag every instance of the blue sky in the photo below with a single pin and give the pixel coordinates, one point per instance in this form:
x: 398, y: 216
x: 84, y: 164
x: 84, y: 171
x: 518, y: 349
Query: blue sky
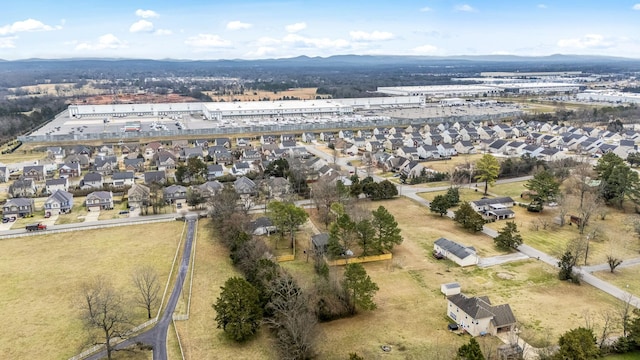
x: 244, y: 29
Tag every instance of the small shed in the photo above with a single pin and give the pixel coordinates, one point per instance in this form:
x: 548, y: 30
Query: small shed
x: 320, y: 242
x: 450, y: 289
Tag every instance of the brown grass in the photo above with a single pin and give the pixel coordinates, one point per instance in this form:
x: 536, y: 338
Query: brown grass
x: 39, y: 297
x: 257, y: 95
x: 625, y: 278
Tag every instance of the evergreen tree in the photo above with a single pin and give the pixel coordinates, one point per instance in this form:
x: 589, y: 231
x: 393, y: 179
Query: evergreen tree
x: 468, y: 218
x: 387, y: 232
x: 508, y: 237
x: 360, y: 287
x: 440, y: 204
x: 487, y: 170
x: 577, y: 344
x: 238, y: 309
x: 470, y: 351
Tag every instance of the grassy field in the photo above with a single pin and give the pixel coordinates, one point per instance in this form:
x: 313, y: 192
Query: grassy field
x: 449, y: 165
x: 624, y: 278
x: 77, y: 212
x: 513, y: 189
x: 257, y: 95
x: 21, y: 155
x: 41, y: 274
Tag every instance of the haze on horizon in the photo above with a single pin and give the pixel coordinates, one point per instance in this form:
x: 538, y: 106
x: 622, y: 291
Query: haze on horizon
x: 246, y: 29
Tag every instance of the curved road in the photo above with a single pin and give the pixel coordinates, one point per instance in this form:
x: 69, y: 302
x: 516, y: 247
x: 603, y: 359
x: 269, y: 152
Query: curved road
x: 157, y: 335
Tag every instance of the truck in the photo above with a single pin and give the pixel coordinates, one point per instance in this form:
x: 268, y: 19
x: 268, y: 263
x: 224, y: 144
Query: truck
x: 36, y: 227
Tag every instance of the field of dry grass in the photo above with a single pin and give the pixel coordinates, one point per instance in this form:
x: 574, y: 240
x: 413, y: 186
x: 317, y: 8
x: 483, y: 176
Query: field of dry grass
x: 41, y: 274
x: 624, y: 278
x: 450, y: 165
x: 257, y: 95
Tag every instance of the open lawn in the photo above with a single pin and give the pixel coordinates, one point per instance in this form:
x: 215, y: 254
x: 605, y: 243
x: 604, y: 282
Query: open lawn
x: 513, y: 189
x: 466, y: 194
x: 77, y: 212
x: 625, y: 278
x: 41, y: 274
x: 450, y: 165
x: 199, y: 335
x: 259, y: 95
x: 21, y: 155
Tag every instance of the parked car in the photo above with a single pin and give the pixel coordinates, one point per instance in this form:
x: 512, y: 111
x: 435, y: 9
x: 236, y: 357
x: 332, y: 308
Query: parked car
x: 5, y: 220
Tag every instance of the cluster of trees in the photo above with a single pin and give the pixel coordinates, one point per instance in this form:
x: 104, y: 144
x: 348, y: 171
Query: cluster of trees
x: 618, y: 181
x: 18, y: 116
x: 374, y: 234
x: 106, y: 312
x: 468, y: 218
x: 424, y: 177
x: 371, y: 189
x: 442, y: 203
x: 270, y: 295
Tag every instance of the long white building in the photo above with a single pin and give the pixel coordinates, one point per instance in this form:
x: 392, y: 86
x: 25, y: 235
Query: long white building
x: 609, y: 96
x: 496, y: 89
x: 246, y: 109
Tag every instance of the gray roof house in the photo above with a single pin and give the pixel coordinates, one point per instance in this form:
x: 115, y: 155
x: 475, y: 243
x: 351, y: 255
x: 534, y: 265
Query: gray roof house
x: 495, y: 208
x: 210, y: 188
x: 23, y: 187
x: 214, y: 171
x: 105, y: 165
x: 245, y: 186
x: 460, y: 254
x: 135, y: 164
x: 92, y: 180
x: 319, y: 243
x: 173, y: 193
x: 99, y: 200
x: 139, y: 196
x: 35, y: 172
x: 69, y: 169
x: 262, y: 226
x: 18, y: 207
x: 155, y: 176
x: 60, y: 202
x: 51, y: 185
x: 125, y: 178
x: 477, y: 316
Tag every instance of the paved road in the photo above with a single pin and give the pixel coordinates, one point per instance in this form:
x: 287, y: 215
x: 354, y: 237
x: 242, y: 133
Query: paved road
x: 157, y: 336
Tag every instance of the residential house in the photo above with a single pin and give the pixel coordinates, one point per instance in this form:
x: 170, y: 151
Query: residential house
x: 515, y: 148
x: 35, y: 172
x: 428, y: 152
x: 53, y: 185
x: 178, y: 145
x: 82, y: 150
x: 241, y: 168
x: 408, y: 152
x: 532, y: 150
x: 83, y: 160
x: 18, y: 207
x: 106, y: 150
x: 460, y: 254
x: 465, y: 147
x: 288, y: 144
x: 242, y: 142
x: 210, y: 189
x: 92, y: 180
x: 551, y: 154
x: 67, y: 170
x: 159, y: 177
x: 277, y: 187
x: 223, y: 157
x: 105, y: 165
x: 299, y: 152
x: 152, y: 148
x: 447, y: 150
x: 60, y: 202
x: 23, y: 187
x: 175, y: 195
x: 262, y: 226
x: 56, y: 153
x: 202, y: 143
x: 477, y: 316
x: 139, y: 196
x: 165, y: 160
x: 498, y: 146
x: 328, y: 136
x: 346, y: 134
x: 393, y: 144
x: 192, y: 152
x: 135, y: 164
x: 251, y: 155
x: 125, y: 178
x: 364, y: 133
x: 268, y: 139
x: 245, y: 186
x: 413, y: 169
x: 99, y: 200
x: 373, y: 146
x: 494, y: 208
x: 222, y: 141
x: 214, y: 171
x: 4, y: 174
x: 308, y: 137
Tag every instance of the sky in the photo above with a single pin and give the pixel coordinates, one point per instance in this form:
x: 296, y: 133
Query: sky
x: 251, y: 29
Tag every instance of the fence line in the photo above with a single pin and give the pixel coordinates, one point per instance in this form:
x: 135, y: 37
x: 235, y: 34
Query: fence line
x: 173, y: 264
x: 193, y: 266
x: 364, y: 259
x: 175, y: 329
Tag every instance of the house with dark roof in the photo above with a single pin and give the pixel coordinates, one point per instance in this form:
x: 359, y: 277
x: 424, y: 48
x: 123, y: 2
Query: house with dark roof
x: 35, y: 172
x: 139, y: 196
x: 319, y: 243
x: 69, y: 170
x: 214, y: 171
x: 105, y: 165
x: 262, y: 226
x: 18, y: 207
x: 165, y: 160
x: 245, y: 186
x: 460, y: 254
x: 99, y: 200
x: 464, y: 147
x: 23, y: 187
x: 92, y: 180
x: 124, y: 178
x: 81, y: 159
x: 477, y: 316
x: 4, y: 174
x: 135, y: 164
x: 151, y: 177
x: 175, y: 195
x: 494, y: 208
x: 189, y: 152
x: 52, y: 185
x: 209, y: 189
x: 60, y: 202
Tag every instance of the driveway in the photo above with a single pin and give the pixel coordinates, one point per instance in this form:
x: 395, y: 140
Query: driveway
x: 501, y: 259
x: 91, y: 216
x: 6, y: 226
x: 50, y: 221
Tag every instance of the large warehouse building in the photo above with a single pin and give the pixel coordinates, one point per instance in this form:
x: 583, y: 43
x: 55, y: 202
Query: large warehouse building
x: 616, y: 97
x: 245, y: 109
x: 447, y: 91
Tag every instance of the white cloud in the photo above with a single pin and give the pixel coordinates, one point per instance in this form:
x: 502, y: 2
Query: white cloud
x: 7, y: 42
x: 27, y: 25
x: 107, y: 41
x: 238, y: 25
x: 542, y: 6
x: 425, y: 50
x: 636, y: 6
x: 204, y: 41
x: 141, y: 26
x: 589, y: 41
x: 267, y: 41
x: 465, y: 8
x: 372, y: 36
x: 298, y: 41
x: 425, y: 9
x: 145, y: 14
x: 163, y: 32
x: 296, y: 27
x: 262, y: 51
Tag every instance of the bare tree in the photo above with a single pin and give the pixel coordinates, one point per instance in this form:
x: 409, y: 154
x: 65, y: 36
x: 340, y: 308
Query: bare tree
x: 590, y: 205
x: 324, y: 194
x: 624, y: 311
x: 607, y: 327
x: 146, y: 281
x: 564, y: 204
x: 581, y: 181
x: 103, y: 312
x: 224, y: 203
x: 613, y: 262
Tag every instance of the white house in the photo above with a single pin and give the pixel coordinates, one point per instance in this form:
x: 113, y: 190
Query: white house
x: 460, y: 254
x: 477, y: 316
